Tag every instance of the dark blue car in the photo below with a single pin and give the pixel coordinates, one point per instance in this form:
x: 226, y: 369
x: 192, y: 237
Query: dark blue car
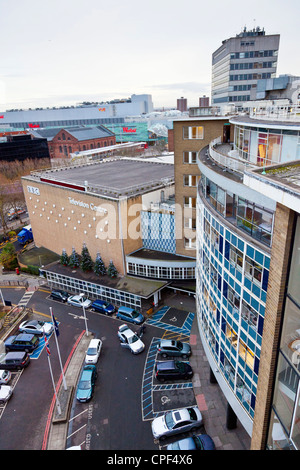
x: 200, y: 442
x: 22, y: 342
x: 86, y: 385
x: 102, y: 307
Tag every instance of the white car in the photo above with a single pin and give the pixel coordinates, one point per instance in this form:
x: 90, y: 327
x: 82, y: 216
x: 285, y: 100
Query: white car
x: 79, y: 301
x: 93, y: 352
x: 5, y: 393
x: 176, y: 421
x: 130, y: 340
x: 36, y: 327
x: 5, y: 376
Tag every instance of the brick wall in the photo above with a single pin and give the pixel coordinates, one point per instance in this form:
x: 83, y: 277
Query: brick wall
x: 280, y: 255
x: 61, y: 147
x: 212, y: 130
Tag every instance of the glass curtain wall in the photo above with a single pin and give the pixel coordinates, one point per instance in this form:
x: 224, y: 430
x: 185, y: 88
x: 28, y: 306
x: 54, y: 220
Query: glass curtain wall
x: 265, y: 147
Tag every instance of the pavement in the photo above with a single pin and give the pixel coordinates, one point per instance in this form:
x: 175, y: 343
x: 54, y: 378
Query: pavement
x: 209, y: 396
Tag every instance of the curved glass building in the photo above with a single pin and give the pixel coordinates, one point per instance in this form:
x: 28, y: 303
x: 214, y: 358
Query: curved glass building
x: 236, y: 215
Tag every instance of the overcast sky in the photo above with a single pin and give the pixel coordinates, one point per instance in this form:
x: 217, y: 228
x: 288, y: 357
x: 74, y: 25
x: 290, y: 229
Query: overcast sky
x: 62, y: 52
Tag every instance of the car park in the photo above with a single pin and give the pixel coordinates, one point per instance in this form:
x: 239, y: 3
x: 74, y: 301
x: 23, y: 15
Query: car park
x: 93, y: 351
x: 199, y: 442
x: 5, y: 376
x: 130, y: 340
x: 86, y: 385
x: 102, y: 307
x: 79, y: 301
x: 173, y: 370
x: 167, y: 347
x: 5, y: 393
x: 176, y: 421
x: 131, y: 315
x: 36, y: 327
x: 22, y: 342
x: 15, y: 360
x: 60, y: 295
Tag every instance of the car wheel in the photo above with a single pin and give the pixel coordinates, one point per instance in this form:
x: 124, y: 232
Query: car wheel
x: 184, y: 356
x: 164, y: 355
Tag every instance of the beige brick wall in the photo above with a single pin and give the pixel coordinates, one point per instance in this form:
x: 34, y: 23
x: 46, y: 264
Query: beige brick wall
x: 281, y: 247
x: 53, y: 219
x: 212, y: 130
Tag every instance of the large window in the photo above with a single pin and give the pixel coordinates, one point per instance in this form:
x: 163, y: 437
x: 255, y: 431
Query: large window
x: 193, y: 132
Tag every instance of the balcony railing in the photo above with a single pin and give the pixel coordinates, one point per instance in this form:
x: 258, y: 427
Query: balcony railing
x: 276, y: 112
x: 220, y: 154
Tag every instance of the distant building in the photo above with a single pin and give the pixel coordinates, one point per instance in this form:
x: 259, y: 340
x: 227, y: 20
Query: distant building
x: 240, y: 62
x: 204, y: 102
x: 182, y: 104
x: 63, y: 142
x: 23, y: 147
x: 94, y: 114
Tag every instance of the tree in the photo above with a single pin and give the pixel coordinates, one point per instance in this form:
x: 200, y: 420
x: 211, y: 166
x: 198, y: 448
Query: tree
x: 64, y: 259
x: 99, y: 266
x: 74, y: 260
x: 7, y: 255
x: 112, y: 270
x: 86, y: 262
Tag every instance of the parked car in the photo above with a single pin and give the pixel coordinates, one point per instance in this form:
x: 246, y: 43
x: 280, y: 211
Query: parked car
x: 93, y: 352
x: 200, y: 442
x: 36, y: 327
x: 131, y: 315
x: 5, y: 376
x: 168, y: 347
x: 130, y: 340
x: 79, y: 301
x: 15, y: 360
x: 173, y: 370
x: 176, y: 421
x: 5, y: 393
x: 86, y: 385
x: 102, y: 307
x: 22, y: 342
x: 60, y: 295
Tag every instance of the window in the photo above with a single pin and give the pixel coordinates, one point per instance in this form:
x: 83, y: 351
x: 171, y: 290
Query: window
x: 193, y: 132
x: 236, y: 256
x: 190, y: 157
x: 190, y: 180
x: 189, y: 202
x: 253, y: 270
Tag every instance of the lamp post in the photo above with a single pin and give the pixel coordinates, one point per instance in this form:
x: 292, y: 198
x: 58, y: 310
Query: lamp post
x: 86, y: 328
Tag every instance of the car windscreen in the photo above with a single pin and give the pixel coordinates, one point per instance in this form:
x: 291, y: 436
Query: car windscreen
x: 84, y: 385
x: 91, y: 351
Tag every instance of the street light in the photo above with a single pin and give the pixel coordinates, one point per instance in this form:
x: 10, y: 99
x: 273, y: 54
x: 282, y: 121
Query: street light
x: 86, y: 328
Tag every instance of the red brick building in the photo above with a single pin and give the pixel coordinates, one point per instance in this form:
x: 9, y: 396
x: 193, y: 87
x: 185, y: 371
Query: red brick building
x: 63, y: 142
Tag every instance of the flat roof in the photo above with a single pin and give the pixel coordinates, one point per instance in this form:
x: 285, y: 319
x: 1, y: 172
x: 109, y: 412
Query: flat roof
x: 112, y: 176
x: 280, y: 182
x: 137, y: 286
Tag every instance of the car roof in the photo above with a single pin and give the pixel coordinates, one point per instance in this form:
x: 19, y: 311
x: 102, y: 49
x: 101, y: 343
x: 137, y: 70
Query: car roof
x: 165, y: 365
x: 168, y: 342
x: 31, y: 322
x: 25, y: 336
x: 15, y: 354
x: 94, y: 341
x: 180, y: 415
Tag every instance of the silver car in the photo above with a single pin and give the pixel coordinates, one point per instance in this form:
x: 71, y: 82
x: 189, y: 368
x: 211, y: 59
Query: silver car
x: 176, y: 421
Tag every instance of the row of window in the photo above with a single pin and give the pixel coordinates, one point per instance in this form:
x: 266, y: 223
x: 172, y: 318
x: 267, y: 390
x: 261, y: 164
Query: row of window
x: 69, y: 122
x: 246, y: 215
x: 93, y: 291
x: 250, y: 54
x: 105, y: 143
x: 252, y: 65
x: 250, y: 76
x: 160, y: 272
